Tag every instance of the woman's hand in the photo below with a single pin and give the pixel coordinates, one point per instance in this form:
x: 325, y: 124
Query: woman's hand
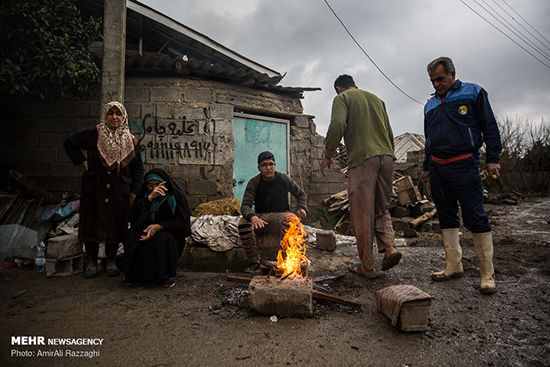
x: 132, y: 197
x: 159, y: 190
x: 85, y: 165
x: 150, y: 231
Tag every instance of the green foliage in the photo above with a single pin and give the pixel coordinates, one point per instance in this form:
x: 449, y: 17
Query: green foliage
x: 44, y: 49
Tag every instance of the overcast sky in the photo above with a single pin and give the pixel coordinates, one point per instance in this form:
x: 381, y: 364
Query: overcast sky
x: 303, y: 39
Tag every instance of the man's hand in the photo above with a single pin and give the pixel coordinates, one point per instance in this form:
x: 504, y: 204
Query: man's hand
x: 257, y: 222
x: 85, y: 165
x: 159, y: 190
x: 325, y: 163
x: 424, y: 176
x: 150, y: 231
x: 493, y: 169
x: 302, y: 214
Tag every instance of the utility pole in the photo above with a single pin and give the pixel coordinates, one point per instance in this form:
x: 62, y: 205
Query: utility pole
x: 114, y: 52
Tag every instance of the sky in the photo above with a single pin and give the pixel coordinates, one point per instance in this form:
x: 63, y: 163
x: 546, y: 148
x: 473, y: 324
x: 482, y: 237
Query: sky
x: 303, y: 39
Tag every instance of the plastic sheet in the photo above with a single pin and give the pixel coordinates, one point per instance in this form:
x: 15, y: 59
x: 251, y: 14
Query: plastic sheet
x: 219, y: 232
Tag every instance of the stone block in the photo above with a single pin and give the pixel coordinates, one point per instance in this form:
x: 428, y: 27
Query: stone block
x: 326, y: 240
x: 165, y: 94
x: 53, y: 140
x: 35, y: 169
x: 67, y: 169
x: 64, y: 246
x: 399, y: 224
x: 184, y: 171
x: 302, y: 122
x: 28, y: 139
x: 136, y: 94
x: 202, y: 187
x: 401, y: 211
x: 202, y: 258
x: 163, y: 111
x: 189, y: 114
x: 64, y: 267
x: 197, y: 95
x: 221, y: 111
x: 224, y: 127
x: 288, y: 297
x: 405, y: 305
x: 134, y: 111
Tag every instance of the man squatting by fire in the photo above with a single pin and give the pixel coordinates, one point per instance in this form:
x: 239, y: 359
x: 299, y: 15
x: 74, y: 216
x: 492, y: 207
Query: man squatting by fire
x: 268, y: 192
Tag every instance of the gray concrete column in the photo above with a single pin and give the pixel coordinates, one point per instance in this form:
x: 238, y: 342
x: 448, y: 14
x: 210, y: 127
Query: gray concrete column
x: 114, y: 52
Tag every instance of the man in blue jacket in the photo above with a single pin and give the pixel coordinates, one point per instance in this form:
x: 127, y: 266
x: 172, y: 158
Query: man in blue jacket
x: 458, y: 119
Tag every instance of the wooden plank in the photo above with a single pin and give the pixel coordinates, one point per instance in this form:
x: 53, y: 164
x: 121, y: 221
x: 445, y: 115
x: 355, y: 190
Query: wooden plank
x: 33, y: 187
x: 238, y: 279
x: 337, y: 299
x: 9, y: 205
x: 424, y: 217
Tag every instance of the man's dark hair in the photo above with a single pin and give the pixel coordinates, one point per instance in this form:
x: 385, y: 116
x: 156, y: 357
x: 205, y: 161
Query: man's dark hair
x: 344, y: 81
x: 265, y: 156
x: 447, y: 63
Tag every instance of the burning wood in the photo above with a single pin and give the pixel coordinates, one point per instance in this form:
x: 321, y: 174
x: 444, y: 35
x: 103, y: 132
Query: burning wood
x: 292, y: 256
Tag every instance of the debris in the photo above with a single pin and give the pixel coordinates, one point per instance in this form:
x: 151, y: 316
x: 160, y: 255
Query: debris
x: 424, y: 217
x: 33, y: 187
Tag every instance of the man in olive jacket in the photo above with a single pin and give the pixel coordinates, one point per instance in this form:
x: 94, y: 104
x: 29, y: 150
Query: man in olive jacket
x: 361, y: 118
x: 268, y: 192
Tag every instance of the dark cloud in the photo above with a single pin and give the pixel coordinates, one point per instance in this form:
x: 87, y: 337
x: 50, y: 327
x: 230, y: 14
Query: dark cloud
x: 304, y: 39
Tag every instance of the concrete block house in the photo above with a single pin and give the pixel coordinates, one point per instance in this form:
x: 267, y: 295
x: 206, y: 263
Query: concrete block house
x: 201, y: 111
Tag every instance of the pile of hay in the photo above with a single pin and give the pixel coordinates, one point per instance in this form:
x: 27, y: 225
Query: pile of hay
x: 228, y: 206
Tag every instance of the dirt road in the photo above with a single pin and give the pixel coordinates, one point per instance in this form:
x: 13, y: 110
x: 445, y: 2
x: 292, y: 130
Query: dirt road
x: 205, y: 320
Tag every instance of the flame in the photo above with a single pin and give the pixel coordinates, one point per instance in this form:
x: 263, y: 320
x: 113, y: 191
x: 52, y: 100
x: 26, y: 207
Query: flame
x: 293, y: 246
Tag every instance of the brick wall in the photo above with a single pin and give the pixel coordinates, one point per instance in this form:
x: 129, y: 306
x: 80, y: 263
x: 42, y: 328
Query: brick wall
x: 184, y: 126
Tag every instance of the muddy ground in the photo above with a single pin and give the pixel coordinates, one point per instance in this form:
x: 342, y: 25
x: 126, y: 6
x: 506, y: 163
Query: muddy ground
x: 206, y: 321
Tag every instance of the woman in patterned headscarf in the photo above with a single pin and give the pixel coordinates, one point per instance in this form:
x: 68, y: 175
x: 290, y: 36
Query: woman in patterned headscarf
x: 113, y: 173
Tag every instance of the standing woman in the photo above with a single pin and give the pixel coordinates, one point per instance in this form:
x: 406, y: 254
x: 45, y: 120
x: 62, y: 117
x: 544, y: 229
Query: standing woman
x: 113, y: 172
x: 159, y: 221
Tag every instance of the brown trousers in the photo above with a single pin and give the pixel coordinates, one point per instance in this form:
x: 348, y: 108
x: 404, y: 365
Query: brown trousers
x: 369, y: 191
x: 268, y: 237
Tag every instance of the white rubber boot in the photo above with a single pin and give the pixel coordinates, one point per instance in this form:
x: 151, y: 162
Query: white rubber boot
x: 483, y: 243
x: 453, y: 256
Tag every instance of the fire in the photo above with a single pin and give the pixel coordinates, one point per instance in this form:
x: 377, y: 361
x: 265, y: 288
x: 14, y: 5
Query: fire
x: 293, y: 246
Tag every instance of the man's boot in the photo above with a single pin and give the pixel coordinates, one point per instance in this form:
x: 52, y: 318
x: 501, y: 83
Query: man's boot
x: 91, y: 259
x: 453, y: 256
x: 110, y: 259
x: 483, y: 243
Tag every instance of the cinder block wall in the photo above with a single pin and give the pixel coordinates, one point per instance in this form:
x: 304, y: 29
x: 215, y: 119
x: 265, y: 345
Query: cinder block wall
x: 184, y: 126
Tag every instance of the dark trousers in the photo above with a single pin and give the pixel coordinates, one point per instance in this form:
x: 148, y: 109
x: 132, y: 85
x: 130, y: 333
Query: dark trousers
x: 455, y: 183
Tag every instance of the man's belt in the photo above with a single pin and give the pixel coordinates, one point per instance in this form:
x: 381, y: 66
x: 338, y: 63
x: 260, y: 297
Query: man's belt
x: 456, y: 158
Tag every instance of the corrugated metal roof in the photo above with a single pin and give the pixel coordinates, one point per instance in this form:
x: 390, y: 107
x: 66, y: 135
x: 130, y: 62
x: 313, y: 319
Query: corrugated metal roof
x: 157, y: 44
x: 407, y: 142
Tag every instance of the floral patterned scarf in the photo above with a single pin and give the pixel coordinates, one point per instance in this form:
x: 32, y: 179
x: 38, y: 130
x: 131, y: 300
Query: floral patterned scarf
x: 116, y: 147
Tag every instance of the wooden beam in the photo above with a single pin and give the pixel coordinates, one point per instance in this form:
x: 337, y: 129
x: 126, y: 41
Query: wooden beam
x: 424, y: 217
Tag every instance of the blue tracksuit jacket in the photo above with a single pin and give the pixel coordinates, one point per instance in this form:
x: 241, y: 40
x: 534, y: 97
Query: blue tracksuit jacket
x: 461, y: 124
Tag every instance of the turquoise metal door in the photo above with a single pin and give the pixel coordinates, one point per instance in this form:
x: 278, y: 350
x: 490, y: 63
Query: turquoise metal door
x: 253, y: 135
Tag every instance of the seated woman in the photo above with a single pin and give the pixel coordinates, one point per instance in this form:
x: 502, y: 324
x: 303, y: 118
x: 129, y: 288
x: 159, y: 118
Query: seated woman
x: 159, y: 219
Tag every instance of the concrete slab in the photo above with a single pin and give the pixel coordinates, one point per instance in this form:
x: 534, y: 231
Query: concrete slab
x: 287, y: 297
